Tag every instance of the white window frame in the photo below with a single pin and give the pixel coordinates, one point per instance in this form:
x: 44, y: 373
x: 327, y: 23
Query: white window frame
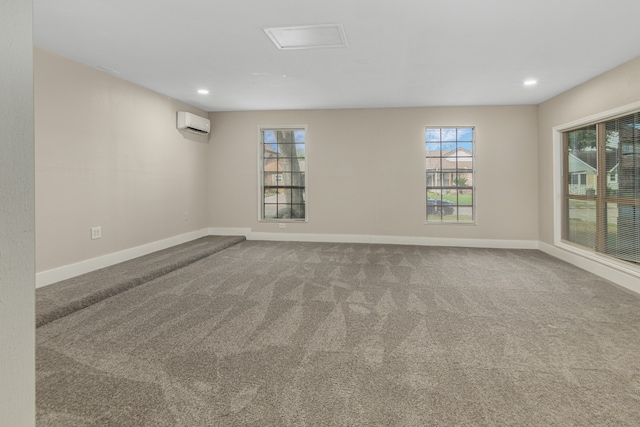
x: 558, y: 182
x: 474, y: 222
x: 262, y: 128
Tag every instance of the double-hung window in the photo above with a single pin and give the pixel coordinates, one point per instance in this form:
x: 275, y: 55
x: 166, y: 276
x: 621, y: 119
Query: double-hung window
x: 283, y: 167
x: 601, y: 189
x: 450, y: 175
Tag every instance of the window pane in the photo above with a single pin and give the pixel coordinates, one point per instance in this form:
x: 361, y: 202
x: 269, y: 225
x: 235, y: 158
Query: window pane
x: 465, y: 134
x: 622, y: 151
x: 582, y: 222
x: 464, y: 152
x: 299, y: 135
x: 270, y: 210
x: 464, y: 197
x: 448, y: 134
x: 269, y: 136
x: 465, y: 213
x: 432, y: 180
x: 612, y: 159
x: 297, y: 181
x: 623, y: 231
x: 287, y: 150
x: 465, y: 176
x: 285, y: 136
x: 270, y: 195
x: 623, y: 147
x: 582, y: 161
x: 284, y: 211
x: 270, y: 178
x: 285, y: 164
x: 283, y: 178
x: 433, y: 211
x: 297, y: 211
x: 449, y: 148
x: 433, y: 135
x: 433, y: 149
x: 449, y: 174
x: 434, y: 163
x: 301, y: 150
x: 270, y: 151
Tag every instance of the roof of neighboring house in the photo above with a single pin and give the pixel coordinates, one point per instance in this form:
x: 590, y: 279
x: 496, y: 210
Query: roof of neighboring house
x: 461, y: 152
x: 578, y: 165
x: 269, y: 150
x: 589, y: 157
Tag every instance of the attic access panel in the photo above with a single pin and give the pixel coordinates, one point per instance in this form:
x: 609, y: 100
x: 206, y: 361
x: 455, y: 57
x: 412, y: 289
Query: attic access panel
x: 307, y: 36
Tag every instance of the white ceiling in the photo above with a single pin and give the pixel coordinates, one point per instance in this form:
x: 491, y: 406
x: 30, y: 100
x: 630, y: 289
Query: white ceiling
x: 400, y: 53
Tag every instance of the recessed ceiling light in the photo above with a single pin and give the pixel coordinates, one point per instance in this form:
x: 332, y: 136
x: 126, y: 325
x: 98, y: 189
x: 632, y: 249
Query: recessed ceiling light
x: 307, y: 36
x: 530, y: 82
x: 203, y: 91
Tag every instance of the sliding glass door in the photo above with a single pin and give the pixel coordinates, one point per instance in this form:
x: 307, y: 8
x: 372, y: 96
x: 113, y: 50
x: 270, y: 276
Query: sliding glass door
x: 602, y: 187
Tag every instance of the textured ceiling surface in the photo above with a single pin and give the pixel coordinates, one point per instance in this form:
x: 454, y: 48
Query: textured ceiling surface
x: 401, y: 53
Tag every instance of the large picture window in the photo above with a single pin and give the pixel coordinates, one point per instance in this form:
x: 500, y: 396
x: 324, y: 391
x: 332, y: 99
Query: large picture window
x: 601, y: 192
x: 450, y: 175
x: 283, y: 174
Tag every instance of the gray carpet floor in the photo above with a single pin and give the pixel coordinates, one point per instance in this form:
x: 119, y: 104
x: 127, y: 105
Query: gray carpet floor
x: 319, y: 334
x: 66, y: 297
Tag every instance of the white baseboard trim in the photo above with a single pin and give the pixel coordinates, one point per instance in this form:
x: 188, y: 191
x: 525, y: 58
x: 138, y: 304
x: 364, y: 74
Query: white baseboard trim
x: 54, y: 275
x: 227, y: 231
x: 615, y: 275
x: 391, y: 240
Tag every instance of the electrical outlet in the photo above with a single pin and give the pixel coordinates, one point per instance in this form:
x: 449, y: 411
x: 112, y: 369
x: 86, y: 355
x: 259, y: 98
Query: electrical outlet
x: 96, y: 232
x: 282, y: 225
x: 186, y: 215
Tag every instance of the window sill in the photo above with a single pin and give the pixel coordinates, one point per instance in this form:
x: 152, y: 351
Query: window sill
x: 614, y: 263
x: 279, y: 220
x: 450, y: 223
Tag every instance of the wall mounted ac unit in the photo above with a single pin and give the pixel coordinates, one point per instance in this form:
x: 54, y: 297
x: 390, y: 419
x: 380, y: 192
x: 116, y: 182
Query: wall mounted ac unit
x: 192, y: 123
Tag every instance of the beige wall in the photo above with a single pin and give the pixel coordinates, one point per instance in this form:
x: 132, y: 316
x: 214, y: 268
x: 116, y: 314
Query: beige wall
x: 613, y: 89
x: 17, y: 281
x: 108, y: 154
x: 366, y: 171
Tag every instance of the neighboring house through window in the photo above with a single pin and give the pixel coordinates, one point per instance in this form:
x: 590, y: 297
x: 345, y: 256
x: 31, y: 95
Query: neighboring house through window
x: 601, y: 210
x: 283, y: 169
x: 450, y: 175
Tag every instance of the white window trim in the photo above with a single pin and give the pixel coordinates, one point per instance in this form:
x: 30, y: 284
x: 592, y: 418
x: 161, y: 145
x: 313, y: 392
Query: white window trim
x: 475, y: 221
x: 558, y: 181
x: 260, y: 175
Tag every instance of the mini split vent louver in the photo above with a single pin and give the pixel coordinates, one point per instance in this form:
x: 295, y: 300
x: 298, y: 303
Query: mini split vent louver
x: 193, y: 123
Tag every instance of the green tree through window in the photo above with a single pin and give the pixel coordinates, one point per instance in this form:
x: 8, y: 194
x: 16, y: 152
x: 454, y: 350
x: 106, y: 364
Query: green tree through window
x: 283, y: 174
